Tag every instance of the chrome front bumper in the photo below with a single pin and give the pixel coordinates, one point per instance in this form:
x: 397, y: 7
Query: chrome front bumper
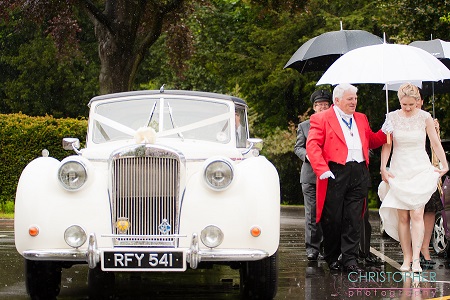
x: 193, y: 255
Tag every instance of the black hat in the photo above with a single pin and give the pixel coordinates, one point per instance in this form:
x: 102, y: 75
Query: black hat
x: 320, y: 95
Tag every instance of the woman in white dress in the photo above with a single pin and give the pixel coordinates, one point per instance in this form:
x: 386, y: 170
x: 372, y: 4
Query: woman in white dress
x: 410, y: 179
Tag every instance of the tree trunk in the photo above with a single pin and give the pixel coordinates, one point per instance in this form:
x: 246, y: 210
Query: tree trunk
x: 125, y: 30
x: 115, y: 61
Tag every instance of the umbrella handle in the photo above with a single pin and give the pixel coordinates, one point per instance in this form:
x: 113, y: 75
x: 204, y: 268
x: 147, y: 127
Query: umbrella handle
x: 388, y: 135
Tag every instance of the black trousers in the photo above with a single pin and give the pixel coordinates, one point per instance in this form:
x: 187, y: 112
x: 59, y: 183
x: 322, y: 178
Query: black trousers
x: 366, y: 233
x: 342, y: 211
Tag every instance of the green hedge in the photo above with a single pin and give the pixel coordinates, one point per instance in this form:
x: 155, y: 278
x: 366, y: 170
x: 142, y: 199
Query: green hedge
x: 23, y: 138
x: 279, y: 149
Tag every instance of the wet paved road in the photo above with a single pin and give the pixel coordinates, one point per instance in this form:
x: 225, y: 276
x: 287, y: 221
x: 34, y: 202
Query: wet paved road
x: 298, y: 278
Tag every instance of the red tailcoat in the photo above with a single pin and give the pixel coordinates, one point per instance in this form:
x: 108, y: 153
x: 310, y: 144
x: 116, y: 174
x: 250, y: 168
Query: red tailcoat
x: 326, y: 142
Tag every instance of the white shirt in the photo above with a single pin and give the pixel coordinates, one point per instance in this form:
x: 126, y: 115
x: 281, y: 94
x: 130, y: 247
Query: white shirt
x: 352, y: 138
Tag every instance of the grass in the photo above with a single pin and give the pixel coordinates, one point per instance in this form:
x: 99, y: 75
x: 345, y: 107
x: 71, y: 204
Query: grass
x: 6, y: 215
x: 7, y: 210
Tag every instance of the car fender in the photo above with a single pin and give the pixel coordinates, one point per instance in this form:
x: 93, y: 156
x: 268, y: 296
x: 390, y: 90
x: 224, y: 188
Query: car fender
x: 252, y: 199
x: 42, y: 202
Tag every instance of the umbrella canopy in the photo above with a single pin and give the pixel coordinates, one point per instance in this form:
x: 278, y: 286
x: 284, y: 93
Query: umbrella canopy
x: 441, y: 50
x: 318, y: 53
x: 438, y: 48
x: 385, y: 63
x: 427, y: 87
x: 396, y: 86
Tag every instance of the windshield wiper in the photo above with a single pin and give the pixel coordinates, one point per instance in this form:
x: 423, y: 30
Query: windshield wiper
x: 173, y: 123
x: 151, y: 115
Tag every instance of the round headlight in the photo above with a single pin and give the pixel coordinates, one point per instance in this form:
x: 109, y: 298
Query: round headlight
x: 211, y: 236
x: 75, y: 236
x: 218, y: 174
x: 72, y: 175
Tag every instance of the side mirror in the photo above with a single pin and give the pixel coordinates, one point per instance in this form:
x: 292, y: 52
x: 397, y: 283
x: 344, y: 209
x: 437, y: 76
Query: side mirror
x: 71, y: 144
x: 255, y: 143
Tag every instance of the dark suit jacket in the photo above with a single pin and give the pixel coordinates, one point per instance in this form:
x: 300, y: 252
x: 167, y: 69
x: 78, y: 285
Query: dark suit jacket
x: 307, y: 174
x: 326, y: 142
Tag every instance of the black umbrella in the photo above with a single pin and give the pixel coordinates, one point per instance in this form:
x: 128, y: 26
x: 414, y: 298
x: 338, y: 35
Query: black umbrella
x: 439, y: 87
x: 441, y: 50
x: 438, y: 48
x: 318, y: 53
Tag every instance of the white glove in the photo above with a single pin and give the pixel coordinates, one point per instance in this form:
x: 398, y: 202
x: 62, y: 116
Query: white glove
x: 387, y: 126
x: 326, y: 175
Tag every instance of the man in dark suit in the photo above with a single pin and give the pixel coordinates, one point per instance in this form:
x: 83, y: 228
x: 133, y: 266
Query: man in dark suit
x: 338, y: 146
x: 321, y: 100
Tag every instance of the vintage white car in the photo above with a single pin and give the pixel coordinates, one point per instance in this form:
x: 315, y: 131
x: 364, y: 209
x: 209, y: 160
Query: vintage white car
x: 168, y: 180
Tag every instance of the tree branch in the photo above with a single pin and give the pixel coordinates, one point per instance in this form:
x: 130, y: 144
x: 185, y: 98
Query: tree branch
x: 158, y: 20
x: 171, y: 6
x: 97, y: 14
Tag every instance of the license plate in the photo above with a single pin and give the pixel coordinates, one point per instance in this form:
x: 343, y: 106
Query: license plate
x: 144, y: 261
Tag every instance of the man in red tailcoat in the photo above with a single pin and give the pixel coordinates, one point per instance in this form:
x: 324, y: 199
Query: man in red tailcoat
x: 338, y: 148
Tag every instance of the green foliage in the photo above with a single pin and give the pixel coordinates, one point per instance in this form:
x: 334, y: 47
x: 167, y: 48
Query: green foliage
x: 7, y: 207
x: 445, y: 18
x: 240, y: 48
x: 374, y: 201
x: 247, y: 43
x: 46, y: 85
x: 278, y: 148
x: 23, y: 138
x: 37, y: 80
x: 405, y: 21
x: 288, y: 167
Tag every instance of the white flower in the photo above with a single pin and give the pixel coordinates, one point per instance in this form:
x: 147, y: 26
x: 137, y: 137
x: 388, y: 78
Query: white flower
x: 145, y: 135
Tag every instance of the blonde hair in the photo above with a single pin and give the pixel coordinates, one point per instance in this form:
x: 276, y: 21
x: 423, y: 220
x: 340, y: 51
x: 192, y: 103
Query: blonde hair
x: 410, y: 90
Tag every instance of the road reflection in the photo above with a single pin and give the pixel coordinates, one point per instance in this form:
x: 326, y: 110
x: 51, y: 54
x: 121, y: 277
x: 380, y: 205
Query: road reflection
x: 298, y: 278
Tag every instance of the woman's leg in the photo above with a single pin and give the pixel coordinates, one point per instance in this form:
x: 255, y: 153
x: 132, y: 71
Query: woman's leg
x: 417, y: 233
x: 428, y: 221
x: 404, y: 234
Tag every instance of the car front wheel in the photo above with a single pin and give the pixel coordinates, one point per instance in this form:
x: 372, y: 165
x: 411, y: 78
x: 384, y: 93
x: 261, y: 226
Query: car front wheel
x: 259, y: 279
x: 43, y: 279
x: 440, y: 241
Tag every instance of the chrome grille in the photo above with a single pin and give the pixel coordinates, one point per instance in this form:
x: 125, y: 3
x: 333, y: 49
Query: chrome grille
x: 144, y: 191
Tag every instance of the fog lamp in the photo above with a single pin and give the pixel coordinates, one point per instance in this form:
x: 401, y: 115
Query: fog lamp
x: 75, y: 236
x: 211, y: 236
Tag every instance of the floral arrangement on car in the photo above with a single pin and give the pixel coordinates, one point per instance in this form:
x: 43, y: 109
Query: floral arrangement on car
x: 146, y: 135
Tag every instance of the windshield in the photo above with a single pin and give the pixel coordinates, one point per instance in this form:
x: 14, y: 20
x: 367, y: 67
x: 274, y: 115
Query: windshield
x: 170, y: 117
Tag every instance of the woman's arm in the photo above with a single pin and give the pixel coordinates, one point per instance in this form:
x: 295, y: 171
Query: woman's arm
x: 436, y: 145
x: 385, y: 153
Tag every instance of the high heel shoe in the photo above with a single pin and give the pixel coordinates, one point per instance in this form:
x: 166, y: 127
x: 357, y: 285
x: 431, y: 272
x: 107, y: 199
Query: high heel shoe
x: 406, y: 268
x: 417, y: 270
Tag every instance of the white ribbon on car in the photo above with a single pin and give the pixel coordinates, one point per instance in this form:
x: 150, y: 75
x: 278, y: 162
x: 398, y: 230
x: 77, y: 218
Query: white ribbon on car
x: 202, y: 123
x: 132, y: 132
x: 113, y: 124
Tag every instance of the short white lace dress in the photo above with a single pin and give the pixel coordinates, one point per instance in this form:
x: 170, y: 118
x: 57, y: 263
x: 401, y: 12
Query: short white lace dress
x: 415, y: 177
